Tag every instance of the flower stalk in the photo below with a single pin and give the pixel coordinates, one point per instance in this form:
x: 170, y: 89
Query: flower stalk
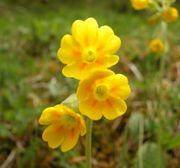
x: 162, y: 60
x: 160, y: 113
x: 88, y: 47
x: 88, y: 143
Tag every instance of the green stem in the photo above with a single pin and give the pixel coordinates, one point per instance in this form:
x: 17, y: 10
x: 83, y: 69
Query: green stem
x: 164, y: 35
x: 88, y: 142
x: 162, y: 65
x: 161, y: 116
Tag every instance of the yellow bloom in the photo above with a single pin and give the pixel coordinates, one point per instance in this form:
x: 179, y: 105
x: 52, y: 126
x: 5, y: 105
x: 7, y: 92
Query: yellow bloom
x: 154, y: 19
x: 156, y: 45
x: 64, y: 127
x: 170, y: 14
x: 103, y: 93
x: 88, y: 48
x: 140, y: 4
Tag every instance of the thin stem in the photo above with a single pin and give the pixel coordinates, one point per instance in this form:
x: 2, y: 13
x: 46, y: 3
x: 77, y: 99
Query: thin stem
x: 162, y: 65
x: 88, y: 142
x: 161, y: 116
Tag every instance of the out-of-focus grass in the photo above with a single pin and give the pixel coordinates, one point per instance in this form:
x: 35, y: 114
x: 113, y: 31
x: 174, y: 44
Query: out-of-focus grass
x: 30, y: 80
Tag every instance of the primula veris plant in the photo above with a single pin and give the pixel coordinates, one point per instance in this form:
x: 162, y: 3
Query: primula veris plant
x: 88, y: 52
x: 64, y: 127
x: 88, y: 48
x: 156, y: 46
x: 140, y: 4
x: 161, y: 14
x: 170, y: 14
x: 103, y: 93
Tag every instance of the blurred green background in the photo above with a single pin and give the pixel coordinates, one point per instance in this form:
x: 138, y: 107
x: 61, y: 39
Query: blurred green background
x: 31, y: 79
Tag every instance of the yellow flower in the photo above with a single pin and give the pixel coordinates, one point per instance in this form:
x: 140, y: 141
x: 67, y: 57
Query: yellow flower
x: 89, y: 47
x: 140, y: 4
x: 170, y: 14
x: 103, y: 93
x: 64, y: 127
x: 154, y: 19
x: 156, y: 46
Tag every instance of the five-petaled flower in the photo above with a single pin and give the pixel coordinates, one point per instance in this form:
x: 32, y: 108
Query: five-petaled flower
x: 88, y: 48
x: 103, y: 93
x: 64, y: 127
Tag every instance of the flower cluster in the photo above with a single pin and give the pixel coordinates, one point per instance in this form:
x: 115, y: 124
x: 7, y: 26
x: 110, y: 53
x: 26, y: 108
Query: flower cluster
x: 161, y: 12
x: 87, y: 53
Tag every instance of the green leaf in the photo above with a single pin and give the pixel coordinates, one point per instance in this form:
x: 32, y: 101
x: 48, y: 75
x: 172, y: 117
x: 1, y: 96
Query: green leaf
x: 174, y: 142
x: 133, y: 125
x: 148, y: 156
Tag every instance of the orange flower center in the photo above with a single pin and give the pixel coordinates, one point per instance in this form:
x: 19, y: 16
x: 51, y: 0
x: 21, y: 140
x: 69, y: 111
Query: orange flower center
x: 101, y: 91
x: 89, y: 56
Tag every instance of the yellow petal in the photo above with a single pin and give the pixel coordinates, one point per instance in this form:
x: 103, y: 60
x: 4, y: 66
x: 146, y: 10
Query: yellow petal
x: 91, y: 30
x: 111, y: 60
x: 85, y: 32
x: 65, y: 56
x: 74, y: 70
x: 49, y: 115
x: 119, y: 86
x: 82, y: 125
x: 113, y: 45
x: 85, y: 86
x: 104, y: 34
x: 107, y: 41
x: 67, y: 42
x: 78, y: 31
x: 114, y: 108
x: 91, y: 109
x: 54, y: 135
x: 68, y: 53
x: 70, y: 140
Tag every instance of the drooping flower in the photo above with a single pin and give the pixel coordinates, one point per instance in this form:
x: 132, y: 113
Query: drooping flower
x: 140, y: 4
x: 64, y: 127
x: 156, y: 45
x: 170, y: 14
x: 89, y: 47
x: 103, y: 93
